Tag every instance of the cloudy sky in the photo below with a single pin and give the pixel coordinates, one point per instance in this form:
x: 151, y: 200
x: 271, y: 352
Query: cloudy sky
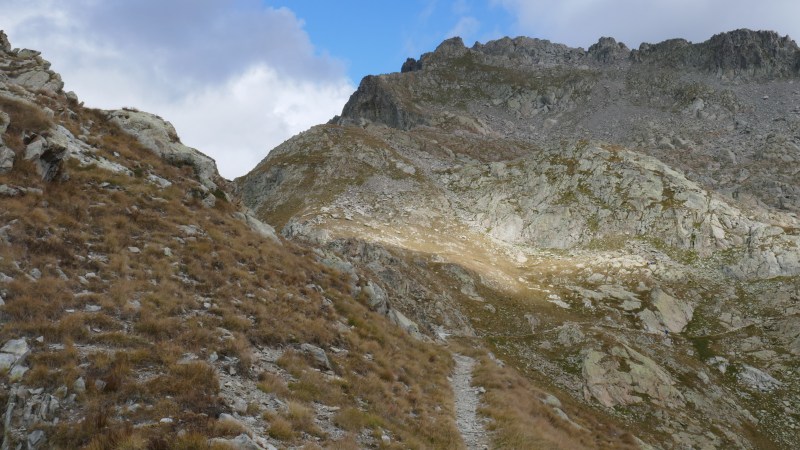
x: 238, y: 77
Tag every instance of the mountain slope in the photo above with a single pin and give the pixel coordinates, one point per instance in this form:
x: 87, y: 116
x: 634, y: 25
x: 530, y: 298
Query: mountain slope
x: 618, y: 226
x: 142, y: 307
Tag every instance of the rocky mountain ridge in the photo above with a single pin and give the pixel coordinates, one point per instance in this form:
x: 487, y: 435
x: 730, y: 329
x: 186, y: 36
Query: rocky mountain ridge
x: 723, y: 105
x: 618, y: 225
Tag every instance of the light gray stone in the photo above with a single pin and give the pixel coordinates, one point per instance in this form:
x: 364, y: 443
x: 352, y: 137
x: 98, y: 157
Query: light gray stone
x: 36, y: 439
x: 404, y: 322
x: 16, y: 373
x: 675, y: 314
x: 6, y: 159
x: 17, y: 347
x: 757, y: 379
x: 6, y: 361
x: 241, y: 442
x: 376, y: 297
x: 8, y: 191
x: 318, y: 354
x: 261, y: 228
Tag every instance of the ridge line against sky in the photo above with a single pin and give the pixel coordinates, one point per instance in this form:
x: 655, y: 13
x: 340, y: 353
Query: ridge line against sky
x: 238, y: 77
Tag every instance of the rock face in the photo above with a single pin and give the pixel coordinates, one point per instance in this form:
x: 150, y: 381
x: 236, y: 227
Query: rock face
x: 160, y: 137
x: 608, y: 381
x: 375, y: 101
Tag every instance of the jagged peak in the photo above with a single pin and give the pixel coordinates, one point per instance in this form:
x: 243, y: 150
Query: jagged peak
x: 607, y: 49
x: 739, y: 52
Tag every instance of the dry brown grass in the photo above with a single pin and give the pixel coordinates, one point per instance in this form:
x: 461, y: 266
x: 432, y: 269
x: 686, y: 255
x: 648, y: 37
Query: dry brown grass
x: 25, y: 117
x: 274, y: 384
x: 280, y: 428
x: 227, y: 428
x: 519, y: 419
x: 152, y: 313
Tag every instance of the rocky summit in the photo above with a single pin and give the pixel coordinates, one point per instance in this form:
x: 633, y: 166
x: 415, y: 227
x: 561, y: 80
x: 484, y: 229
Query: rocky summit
x: 514, y: 245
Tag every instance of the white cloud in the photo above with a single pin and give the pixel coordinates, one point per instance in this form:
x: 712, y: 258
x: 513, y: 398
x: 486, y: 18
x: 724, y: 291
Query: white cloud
x: 582, y: 22
x: 236, y: 78
x: 254, y: 112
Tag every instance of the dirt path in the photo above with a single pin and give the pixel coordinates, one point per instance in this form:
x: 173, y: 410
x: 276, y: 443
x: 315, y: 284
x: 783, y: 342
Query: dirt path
x: 466, y: 399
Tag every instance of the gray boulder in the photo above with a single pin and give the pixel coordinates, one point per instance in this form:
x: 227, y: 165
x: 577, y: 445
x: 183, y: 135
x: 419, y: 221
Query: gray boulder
x: 318, y: 354
x: 261, y: 228
x: 241, y: 442
x: 36, y: 439
x: 17, y: 347
x: 6, y: 159
x: 405, y: 323
x: 757, y: 379
x: 160, y: 137
x: 376, y: 297
x: 5, y: 121
x: 668, y: 314
x: 48, y: 153
x: 626, y: 377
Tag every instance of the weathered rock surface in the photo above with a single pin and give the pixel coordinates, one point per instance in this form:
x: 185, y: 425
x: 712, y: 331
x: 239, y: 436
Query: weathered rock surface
x: 625, y: 376
x: 49, y: 153
x: 258, y: 226
x: 160, y: 137
x: 6, y: 159
x: 28, y: 69
x: 668, y: 314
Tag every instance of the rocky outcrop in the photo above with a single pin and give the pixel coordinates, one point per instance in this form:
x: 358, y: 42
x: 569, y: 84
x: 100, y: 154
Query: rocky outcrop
x: 738, y: 53
x: 28, y: 69
x: 530, y: 52
x: 624, y: 377
x: 375, y: 101
x: 608, y: 50
x: 256, y: 225
x: 48, y: 152
x: 668, y: 314
x: 6, y: 154
x: 411, y: 65
x: 160, y: 137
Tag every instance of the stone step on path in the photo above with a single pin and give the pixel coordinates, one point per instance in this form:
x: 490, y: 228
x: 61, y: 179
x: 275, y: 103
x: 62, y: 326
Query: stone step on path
x: 467, y: 400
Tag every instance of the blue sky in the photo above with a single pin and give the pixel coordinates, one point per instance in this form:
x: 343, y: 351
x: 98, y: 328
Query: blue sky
x: 238, y: 77
x: 376, y: 37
